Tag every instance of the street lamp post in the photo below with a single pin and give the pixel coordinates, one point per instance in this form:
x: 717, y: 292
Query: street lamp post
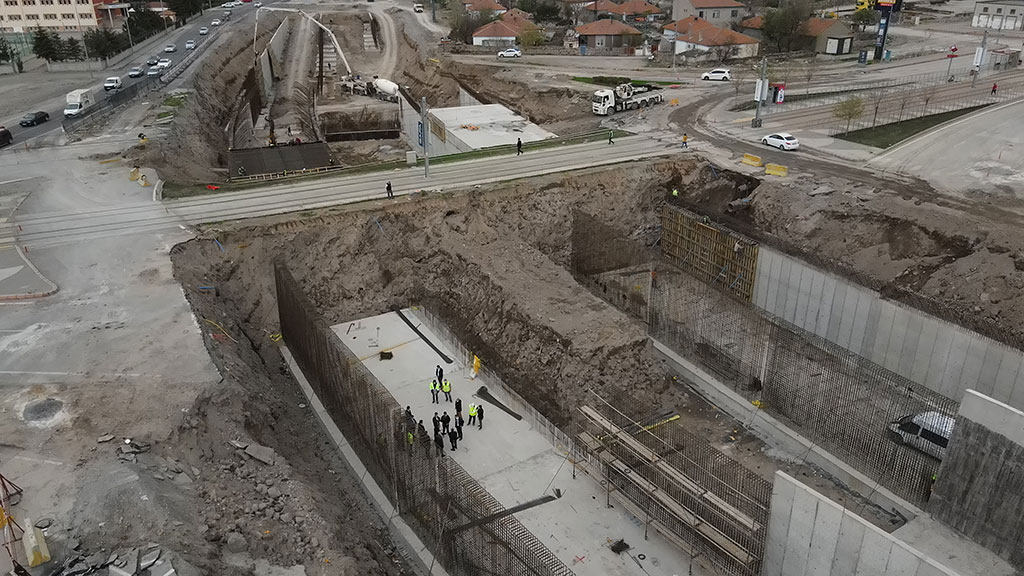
x: 128, y: 27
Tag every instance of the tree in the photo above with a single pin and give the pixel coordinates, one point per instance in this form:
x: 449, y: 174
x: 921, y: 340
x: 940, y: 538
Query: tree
x: 863, y: 18
x: 72, y: 49
x: 782, y: 25
x: 531, y: 37
x: 102, y: 43
x: 46, y: 44
x: 809, y: 71
x: 848, y: 110
x: 722, y: 53
x: 7, y: 52
x: 546, y: 12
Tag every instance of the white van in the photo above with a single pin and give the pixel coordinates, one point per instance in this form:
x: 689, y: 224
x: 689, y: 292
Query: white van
x: 113, y: 83
x: 929, y: 432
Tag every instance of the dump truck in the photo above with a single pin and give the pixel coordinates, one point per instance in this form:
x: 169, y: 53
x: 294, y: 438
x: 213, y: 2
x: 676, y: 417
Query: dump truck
x: 625, y: 97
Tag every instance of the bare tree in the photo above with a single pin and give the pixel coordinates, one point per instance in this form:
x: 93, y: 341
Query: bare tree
x: 877, y: 98
x: 849, y: 110
x: 740, y: 76
x: 809, y: 71
x: 722, y: 53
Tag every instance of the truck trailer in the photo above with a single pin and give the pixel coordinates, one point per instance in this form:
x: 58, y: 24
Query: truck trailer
x: 625, y: 97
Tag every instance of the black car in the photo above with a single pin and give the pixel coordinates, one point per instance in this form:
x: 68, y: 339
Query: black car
x: 152, y: 61
x: 33, y: 118
x: 5, y: 136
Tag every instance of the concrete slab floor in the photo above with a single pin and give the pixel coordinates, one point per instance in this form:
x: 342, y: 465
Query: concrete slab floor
x: 513, y: 460
x: 945, y: 546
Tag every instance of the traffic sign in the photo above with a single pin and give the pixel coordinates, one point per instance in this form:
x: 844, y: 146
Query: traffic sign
x: 419, y: 132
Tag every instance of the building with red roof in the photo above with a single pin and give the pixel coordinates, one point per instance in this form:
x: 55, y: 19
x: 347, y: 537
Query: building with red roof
x: 719, y: 12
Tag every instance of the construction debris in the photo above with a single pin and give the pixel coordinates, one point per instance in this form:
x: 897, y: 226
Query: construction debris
x: 104, y: 438
x: 261, y: 453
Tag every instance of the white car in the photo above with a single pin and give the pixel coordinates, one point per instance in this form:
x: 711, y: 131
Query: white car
x: 417, y: 8
x: 510, y: 53
x: 258, y: 4
x: 717, y: 74
x: 215, y: 23
x: 154, y: 71
x: 204, y: 31
x: 170, y: 48
x: 164, y: 63
x: 190, y: 45
x: 781, y: 140
x: 227, y: 5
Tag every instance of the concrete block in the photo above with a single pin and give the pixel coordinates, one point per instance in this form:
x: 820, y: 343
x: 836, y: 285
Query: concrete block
x: 807, y: 276
x: 908, y: 353
x: 801, y: 528
x: 775, y: 276
x: 897, y: 337
x: 823, y: 542
x: 923, y: 360
x: 130, y: 567
x: 997, y: 416
x: 792, y: 296
x: 1009, y: 376
x: 959, y: 343
x: 940, y: 357
x: 825, y: 317
x: 902, y: 562
x: 1016, y: 398
x: 990, y: 368
x: 972, y: 365
x: 149, y: 558
x: 163, y: 568
x: 36, y: 551
x: 848, y: 546
x: 814, y: 303
x: 845, y: 310
x: 874, y: 556
x: 778, y: 525
x: 785, y: 275
x: 878, y: 330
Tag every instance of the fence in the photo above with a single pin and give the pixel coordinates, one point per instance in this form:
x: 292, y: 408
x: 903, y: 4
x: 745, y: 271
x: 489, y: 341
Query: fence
x: 837, y: 399
x: 435, y: 495
x: 112, y: 102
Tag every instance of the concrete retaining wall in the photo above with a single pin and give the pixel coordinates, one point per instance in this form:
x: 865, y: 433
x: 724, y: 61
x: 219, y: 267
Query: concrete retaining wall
x: 980, y: 486
x: 270, y: 59
x: 942, y: 356
x: 809, y: 534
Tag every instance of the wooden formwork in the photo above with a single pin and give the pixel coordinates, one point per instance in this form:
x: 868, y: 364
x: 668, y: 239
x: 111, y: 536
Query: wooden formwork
x: 716, y: 256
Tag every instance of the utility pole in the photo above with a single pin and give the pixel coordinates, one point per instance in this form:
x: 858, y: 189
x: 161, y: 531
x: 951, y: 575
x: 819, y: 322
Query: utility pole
x: 433, y: 11
x: 761, y: 88
x: 979, y: 58
x: 426, y: 136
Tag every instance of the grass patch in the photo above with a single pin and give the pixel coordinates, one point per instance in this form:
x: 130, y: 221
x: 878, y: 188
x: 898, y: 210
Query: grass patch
x: 175, y: 101
x: 790, y: 97
x: 174, y: 190
x: 164, y: 114
x: 886, y: 135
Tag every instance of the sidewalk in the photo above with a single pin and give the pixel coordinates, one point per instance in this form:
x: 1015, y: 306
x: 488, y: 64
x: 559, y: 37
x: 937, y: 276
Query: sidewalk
x: 19, y: 279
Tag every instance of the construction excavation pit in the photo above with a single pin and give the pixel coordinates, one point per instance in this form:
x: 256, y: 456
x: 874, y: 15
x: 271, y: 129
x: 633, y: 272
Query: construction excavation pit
x: 594, y: 455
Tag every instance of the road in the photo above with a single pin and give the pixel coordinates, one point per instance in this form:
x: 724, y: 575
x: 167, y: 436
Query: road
x: 54, y: 228
x: 240, y: 21
x: 981, y: 153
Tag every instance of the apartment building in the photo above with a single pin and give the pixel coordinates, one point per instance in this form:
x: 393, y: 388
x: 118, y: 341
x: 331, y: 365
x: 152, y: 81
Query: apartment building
x: 60, y: 15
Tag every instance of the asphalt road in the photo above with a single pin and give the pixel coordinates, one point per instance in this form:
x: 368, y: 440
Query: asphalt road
x: 62, y: 227
x: 177, y: 37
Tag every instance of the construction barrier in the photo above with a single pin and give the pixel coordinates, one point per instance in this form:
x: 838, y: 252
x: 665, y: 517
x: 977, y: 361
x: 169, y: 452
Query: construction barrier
x: 776, y: 170
x: 134, y: 174
x: 143, y: 181
x: 36, y: 551
x: 751, y: 160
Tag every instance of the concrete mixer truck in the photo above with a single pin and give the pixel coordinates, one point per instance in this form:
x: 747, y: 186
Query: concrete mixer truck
x: 385, y: 89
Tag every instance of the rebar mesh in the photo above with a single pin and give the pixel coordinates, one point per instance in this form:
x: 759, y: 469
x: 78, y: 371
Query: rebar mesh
x: 690, y: 491
x: 834, y: 397
x: 431, y: 491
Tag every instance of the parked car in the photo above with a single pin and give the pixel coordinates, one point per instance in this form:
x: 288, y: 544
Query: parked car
x: 33, y: 118
x: 717, y: 74
x: 152, y: 61
x: 190, y: 45
x: 781, y: 140
x: 136, y: 71
x: 258, y: 4
x: 154, y: 71
x: 215, y: 23
x: 113, y: 83
x: 164, y: 63
x: 929, y: 432
x: 170, y: 48
x: 5, y: 136
x: 204, y: 31
x: 510, y: 53
x: 227, y: 5
x: 417, y: 7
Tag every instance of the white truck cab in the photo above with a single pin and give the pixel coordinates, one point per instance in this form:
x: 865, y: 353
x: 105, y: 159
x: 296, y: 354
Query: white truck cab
x: 929, y: 432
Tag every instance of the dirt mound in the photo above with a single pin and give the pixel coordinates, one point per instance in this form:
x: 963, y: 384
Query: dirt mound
x: 540, y: 104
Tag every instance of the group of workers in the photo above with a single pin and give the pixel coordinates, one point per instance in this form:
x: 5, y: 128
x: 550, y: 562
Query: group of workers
x: 445, y: 425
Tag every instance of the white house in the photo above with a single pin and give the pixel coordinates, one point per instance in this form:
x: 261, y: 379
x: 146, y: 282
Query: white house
x: 478, y: 7
x: 999, y: 14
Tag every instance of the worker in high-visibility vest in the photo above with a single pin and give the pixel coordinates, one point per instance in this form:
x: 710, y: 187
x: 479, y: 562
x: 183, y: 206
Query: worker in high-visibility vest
x: 446, y: 387
x: 434, y: 389
x: 472, y: 414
